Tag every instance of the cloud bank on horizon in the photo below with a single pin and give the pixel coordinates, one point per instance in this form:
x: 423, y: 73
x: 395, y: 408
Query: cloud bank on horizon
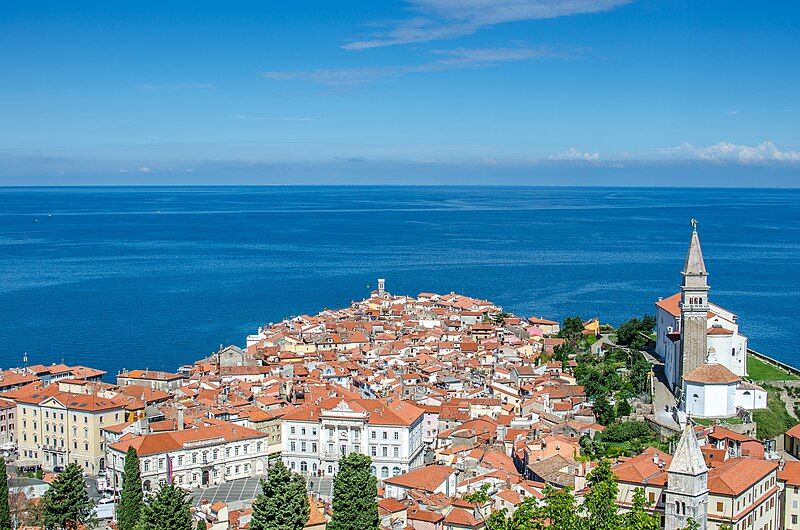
x: 406, y: 91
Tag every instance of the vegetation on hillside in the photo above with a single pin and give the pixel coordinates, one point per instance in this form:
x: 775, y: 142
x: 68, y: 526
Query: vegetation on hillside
x: 560, y: 511
x: 775, y: 419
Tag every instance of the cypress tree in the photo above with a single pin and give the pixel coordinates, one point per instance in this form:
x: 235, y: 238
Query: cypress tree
x: 5, y: 511
x: 282, y: 503
x: 600, y: 502
x: 166, y: 510
x: 201, y: 525
x: 131, y: 499
x: 354, y: 493
x: 66, y: 504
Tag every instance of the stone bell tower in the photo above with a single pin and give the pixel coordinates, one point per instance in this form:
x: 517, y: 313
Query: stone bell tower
x: 694, y: 307
x: 687, y: 485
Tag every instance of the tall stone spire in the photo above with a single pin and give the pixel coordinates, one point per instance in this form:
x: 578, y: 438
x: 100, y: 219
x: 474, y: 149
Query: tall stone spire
x: 694, y: 266
x: 694, y: 307
x: 687, y: 484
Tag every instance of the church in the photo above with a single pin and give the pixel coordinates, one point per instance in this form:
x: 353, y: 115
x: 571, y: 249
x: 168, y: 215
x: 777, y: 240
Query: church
x: 705, y: 356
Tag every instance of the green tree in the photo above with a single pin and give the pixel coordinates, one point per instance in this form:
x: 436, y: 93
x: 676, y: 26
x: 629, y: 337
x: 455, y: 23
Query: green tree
x: 168, y: 509
x: 623, y: 408
x: 282, y: 503
x: 562, y: 352
x: 632, y: 333
x: 201, y: 525
x: 559, y: 510
x: 5, y: 509
x: 603, y: 411
x: 528, y: 516
x: 66, y: 505
x: 600, y: 503
x: 479, y: 498
x: 638, y: 518
x: 131, y: 498
x: 572, y: 328
x: 354, y: 493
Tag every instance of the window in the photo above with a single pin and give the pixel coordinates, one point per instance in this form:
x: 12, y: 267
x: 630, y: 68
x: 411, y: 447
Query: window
x: 396, y: 452
x: 373, y: 451
x: 395, y: 471
x: 292, y: 429
x: 385, y: 435
x: 292, y: 446
x: 396, y: 435
x: 373, y: 435
x: 384, y: 472
x: 719, y: 507
x: 384, y: 451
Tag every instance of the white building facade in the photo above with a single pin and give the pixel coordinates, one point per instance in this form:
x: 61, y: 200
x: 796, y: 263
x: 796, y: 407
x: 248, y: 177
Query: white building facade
x: 314, y: 437
x: 192, y: 458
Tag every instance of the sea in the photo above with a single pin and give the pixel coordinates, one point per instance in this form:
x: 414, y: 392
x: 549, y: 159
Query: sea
x: 156, y: 277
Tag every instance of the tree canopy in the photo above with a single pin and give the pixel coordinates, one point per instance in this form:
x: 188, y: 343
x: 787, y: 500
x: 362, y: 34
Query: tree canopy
x: 66, y: 505
x: 282, y: 503
x: 560, y: 511
x: 5, y: 509
x: 354, y: 493
x: 167, y: 509
x: 132, y: 497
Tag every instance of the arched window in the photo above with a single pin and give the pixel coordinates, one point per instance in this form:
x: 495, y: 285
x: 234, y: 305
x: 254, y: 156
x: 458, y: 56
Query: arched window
x: 374, y: 471
x: 395, y: 471
x: 384, y: 472
x: 303, y: 467
x: 330, y: 470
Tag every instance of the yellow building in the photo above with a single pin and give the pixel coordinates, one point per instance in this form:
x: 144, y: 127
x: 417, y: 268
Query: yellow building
x: 60, y: 424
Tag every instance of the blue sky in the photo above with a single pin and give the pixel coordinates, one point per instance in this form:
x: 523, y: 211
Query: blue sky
x: 608, y: 92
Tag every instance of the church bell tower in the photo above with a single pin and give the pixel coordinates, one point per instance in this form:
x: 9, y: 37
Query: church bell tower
x: 694, y: 307
x: 686, y: 496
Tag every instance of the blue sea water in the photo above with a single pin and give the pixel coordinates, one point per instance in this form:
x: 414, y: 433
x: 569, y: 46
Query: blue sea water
x: 158, y: 277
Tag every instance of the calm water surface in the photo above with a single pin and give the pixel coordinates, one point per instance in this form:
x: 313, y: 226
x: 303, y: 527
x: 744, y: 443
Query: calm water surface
x: 157, y: 277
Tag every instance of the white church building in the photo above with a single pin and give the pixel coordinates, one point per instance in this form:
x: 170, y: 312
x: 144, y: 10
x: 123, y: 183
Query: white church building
x: 705, y: 356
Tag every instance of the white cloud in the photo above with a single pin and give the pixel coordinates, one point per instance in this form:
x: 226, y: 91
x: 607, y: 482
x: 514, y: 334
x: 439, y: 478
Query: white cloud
x: 144, y: 169
x: 574, y: 154
x: 727, y: 151
x: 446, y: 19
x: 453, y: 59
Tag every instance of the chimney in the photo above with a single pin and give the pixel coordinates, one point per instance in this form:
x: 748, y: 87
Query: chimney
x: 180, y: 417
